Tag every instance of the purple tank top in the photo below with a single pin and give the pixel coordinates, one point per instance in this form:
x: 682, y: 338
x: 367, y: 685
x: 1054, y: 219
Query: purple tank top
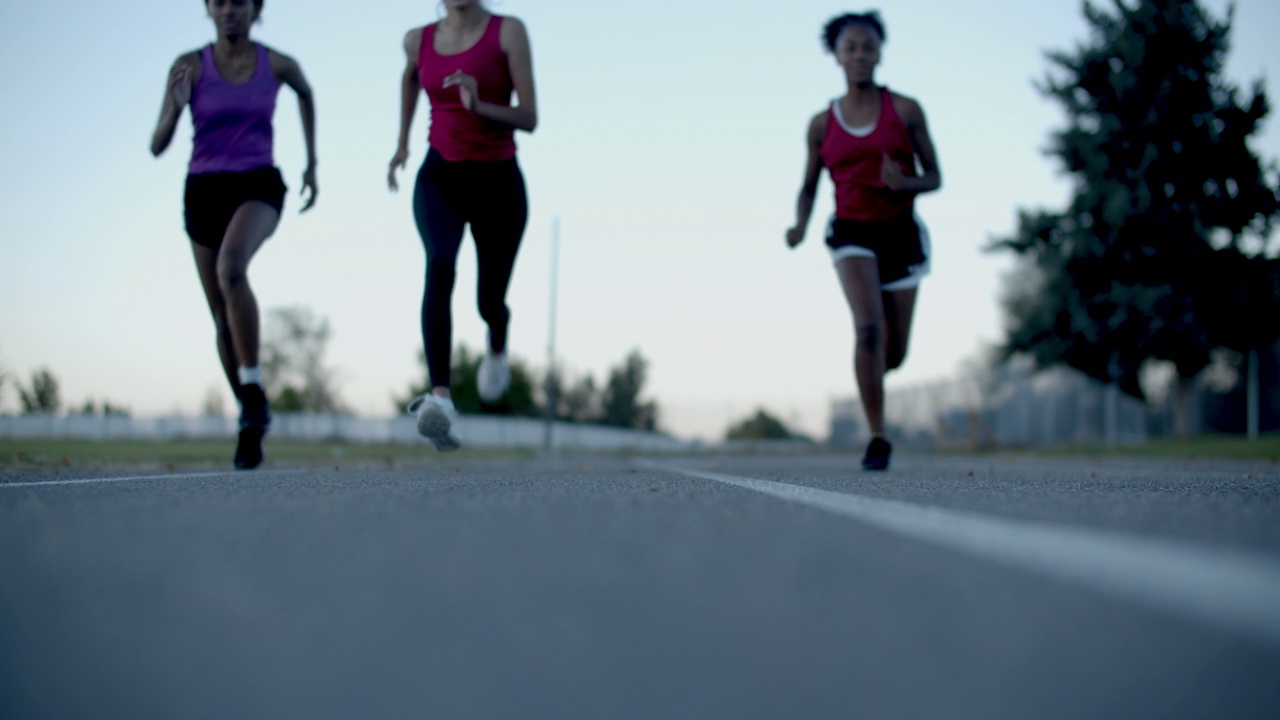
x: 232, y: 121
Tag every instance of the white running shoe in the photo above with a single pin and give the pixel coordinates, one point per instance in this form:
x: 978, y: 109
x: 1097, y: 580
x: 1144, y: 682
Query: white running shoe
x: 436, y: 416
x: 494, y: 376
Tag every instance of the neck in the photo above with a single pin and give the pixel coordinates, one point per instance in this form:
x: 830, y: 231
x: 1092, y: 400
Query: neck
x: 863, y: 91
x: 233, y: 44
x: 467, y: 17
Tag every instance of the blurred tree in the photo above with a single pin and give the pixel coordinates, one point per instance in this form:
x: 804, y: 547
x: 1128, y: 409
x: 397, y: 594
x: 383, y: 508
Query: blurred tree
x: 620, y: 403
x: 1162, y: 252
x: 761, y: 426
x: 464, y: 368
x: 42, y: 395
x: 107, y: 409
x: 213, y: 402
x: 293, y: 368
x: 577, y: 401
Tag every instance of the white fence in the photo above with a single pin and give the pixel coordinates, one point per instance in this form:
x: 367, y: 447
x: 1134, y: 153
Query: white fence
x: 475, y: 430
x: 1002, y: 407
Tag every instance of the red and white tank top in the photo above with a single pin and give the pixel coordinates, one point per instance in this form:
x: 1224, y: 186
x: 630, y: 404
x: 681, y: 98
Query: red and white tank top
x: 457, y: 133
x: 854, y: 161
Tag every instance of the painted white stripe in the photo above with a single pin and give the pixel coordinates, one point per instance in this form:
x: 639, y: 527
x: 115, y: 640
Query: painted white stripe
x: 91, y: 481
x: 1234, y: 590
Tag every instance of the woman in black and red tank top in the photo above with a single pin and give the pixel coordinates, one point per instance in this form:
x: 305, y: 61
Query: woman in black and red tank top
x: 470, y: 64
x: 876, y: 146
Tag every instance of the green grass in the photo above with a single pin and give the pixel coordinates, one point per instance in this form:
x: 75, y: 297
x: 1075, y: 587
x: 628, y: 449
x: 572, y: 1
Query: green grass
x: 97, y: 456
x: 91, y: 455
x: 1219, y: 447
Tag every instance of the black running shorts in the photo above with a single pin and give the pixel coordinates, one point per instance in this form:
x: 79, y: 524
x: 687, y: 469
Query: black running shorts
x: 212, y: 199
x: 899, y: 245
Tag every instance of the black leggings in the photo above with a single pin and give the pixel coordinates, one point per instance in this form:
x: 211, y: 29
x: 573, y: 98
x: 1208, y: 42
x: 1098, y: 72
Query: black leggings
x: 490, y: 196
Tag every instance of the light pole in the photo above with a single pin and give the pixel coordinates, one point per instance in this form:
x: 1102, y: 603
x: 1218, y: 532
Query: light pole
x: 552, y: 385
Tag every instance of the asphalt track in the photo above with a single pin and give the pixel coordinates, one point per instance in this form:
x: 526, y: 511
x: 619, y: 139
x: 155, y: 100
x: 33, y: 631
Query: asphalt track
x: 688, y: 587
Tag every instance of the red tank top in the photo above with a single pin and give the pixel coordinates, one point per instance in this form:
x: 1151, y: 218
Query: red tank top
x: 457, y: 133
x: 854, y: 163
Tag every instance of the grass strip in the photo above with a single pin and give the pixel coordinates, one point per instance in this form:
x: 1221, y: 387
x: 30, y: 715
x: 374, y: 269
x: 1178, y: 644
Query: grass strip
x: 45, y: 455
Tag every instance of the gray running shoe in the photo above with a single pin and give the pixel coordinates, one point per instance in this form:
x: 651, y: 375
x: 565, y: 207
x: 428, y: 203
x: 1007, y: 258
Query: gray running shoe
x: 493, y: 377
x: 436, y: 416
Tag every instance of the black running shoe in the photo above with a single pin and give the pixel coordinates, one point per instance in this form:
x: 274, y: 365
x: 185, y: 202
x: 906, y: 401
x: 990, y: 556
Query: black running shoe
x: 254, y: 410
x: 877, y: 457
x: 255, y: 418
x: 249, y: 448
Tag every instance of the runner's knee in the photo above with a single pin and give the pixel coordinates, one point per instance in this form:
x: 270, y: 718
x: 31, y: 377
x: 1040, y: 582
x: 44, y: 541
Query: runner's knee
x: 870, y: 337
x: 232, y: 275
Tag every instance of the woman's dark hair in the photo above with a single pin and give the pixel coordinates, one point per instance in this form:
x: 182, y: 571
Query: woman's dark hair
x: 257, y: 4
x: 831, y: 33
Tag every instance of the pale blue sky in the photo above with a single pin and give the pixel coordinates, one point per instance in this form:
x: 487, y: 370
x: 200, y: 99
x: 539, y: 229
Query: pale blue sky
x: 671, y: 144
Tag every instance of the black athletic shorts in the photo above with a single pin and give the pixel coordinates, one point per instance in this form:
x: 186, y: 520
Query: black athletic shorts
x: 211, y: 199
x: 900, y: 246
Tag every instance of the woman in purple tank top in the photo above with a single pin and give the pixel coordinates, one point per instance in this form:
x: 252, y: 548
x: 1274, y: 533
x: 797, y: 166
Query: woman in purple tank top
x: 234, y: 193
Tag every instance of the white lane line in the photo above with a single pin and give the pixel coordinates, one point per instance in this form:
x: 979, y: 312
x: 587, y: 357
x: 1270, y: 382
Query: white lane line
x: 90, y: 481
x: 1235, y: 590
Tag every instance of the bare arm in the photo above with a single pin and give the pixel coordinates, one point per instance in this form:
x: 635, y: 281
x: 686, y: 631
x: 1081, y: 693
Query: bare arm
x: 410, y: 89
x: 177, y: 95
x: 524, y: 114
x: 930, y: 178
x: 290, y: 73
x: 809, y: 187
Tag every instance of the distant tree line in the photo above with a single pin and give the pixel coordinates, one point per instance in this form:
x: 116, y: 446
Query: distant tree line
x: 43, y: 394
x: 617, y: 402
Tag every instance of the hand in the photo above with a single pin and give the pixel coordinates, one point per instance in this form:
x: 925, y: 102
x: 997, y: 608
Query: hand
x: 397, y: 161
x: 795, y: 236
x: 468, y: 91
x: 180, y: 85
x: 890, y: 172
x: 309, y: 181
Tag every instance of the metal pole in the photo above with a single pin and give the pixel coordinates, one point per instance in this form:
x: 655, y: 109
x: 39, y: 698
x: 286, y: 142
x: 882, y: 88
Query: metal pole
x: 552, y: 391
x: 1251, y: 394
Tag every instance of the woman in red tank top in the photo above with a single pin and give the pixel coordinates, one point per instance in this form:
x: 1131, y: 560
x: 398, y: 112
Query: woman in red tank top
x: 470, y: 63
x: 871, y: 141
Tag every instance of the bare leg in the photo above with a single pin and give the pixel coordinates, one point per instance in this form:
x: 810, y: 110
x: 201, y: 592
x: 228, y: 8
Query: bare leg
x: 860, y: 280
x: 899, y: 308
x: 207, y: 267
x: 252, y: 224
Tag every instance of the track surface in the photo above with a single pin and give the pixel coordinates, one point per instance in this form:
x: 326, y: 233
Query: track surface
x: 701, y: 587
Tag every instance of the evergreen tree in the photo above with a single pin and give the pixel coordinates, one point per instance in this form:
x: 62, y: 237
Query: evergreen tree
x: 1162, y: 251
x: 620, y: 403
x: 43, y: 396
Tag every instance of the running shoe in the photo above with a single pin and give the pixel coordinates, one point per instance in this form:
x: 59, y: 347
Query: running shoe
x: 249, y: 448
x: 436, y: 416
x: 255, y: 411
x: 877, y: 457
x: 255, y: 418
x: 494, y: 376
